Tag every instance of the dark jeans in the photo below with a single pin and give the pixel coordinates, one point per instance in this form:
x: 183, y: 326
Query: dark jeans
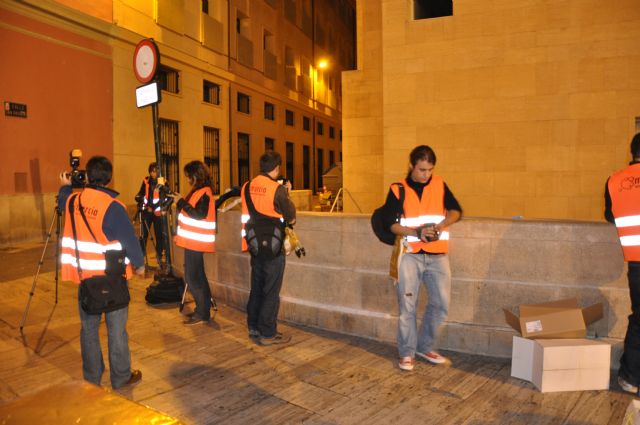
x: 264, y: 298
x: 198, y: 283
x: 147, y: 220
x: 630, y: 361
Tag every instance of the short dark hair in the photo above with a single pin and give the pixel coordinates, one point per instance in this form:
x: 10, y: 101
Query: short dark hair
x: 99, y: 170
x: 153, y: 167
x: 422, y: 153
x: 269, y: 161
x: 199, y: 172
x: 635, y: 146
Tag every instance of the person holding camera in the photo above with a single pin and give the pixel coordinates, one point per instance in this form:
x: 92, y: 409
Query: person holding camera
x: 148, y: 199
x: 196, y: 233
x: 266, y: 209
x: 429, y: 208
x: 97, y: 224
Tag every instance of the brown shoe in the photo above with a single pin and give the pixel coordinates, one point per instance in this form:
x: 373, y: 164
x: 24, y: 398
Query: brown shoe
x: 277, y: 339
x: 136, y: 376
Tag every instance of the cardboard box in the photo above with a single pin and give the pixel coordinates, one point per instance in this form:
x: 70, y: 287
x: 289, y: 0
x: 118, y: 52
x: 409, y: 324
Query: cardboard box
x: 557, y: 319
x: 632, y: 415
x: 562, y: 364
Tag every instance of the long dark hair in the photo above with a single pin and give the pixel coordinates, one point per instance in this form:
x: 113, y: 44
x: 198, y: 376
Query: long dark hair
x: 199, y: 172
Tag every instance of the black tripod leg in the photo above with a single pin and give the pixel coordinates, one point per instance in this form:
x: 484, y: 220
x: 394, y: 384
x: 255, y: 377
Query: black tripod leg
x: 35, y: 278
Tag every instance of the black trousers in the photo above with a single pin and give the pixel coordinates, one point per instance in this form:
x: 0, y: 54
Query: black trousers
x: 198, y: 283
x: 264, y: 298
x: 149, y: 218
x: 630, y: 361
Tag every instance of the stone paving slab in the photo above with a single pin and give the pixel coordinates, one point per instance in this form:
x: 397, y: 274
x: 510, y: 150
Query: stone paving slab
x: 215, y: 374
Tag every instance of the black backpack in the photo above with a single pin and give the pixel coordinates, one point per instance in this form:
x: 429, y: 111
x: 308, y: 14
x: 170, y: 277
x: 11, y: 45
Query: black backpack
x: 382, y: 232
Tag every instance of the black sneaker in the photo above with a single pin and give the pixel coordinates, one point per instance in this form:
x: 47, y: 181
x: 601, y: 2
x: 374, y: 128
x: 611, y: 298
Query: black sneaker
x: 254, y: 334
x: 278, y: 339
x: 626, y: 386
x: 194, y: 320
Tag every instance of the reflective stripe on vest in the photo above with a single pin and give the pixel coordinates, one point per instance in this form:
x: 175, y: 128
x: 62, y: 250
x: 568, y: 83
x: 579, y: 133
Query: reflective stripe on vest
x: 425, y: 210
x: 91, y: 252
x: 264, y: 188
x: 156, y: 197
x: 624, y: 189
x: 194, y: 234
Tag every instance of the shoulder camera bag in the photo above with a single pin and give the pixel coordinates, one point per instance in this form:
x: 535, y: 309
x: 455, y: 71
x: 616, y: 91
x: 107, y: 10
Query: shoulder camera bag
x: 104, y: 293
x: 383, y: 233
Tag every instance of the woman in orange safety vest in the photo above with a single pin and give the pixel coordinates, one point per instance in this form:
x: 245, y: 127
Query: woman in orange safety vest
x: 197, y: 234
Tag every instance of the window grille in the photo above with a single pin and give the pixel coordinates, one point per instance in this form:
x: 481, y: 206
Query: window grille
x: 243, y: 158
x: 306, y: 123
x: 168, y: 79
x: 244, y: 103
x: 306, y: 167
x: 289, y: 161
x: 320, y: 160
x: 212, y: 156
x: 269, y: 111
x: 169, y: 150
x: 210, y: 92
x: 289, y: 118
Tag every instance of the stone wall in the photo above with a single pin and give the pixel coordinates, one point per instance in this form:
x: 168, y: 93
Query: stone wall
x: 531, y: 104
x: 342, y: 284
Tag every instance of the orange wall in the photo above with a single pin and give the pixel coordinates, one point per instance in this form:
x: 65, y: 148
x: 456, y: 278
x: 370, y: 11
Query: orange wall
x: 102, y: 9
x: 66, y: 82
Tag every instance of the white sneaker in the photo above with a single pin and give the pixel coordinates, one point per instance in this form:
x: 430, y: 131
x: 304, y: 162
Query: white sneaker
x: 627, y: 386
x: 406, y: 363
x: 433, y: 357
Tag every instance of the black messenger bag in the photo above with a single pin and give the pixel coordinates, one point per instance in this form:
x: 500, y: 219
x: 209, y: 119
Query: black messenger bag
x: 105, y: 293
x: 265, y: 235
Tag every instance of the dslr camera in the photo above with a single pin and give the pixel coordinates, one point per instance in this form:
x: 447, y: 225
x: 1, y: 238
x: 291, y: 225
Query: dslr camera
x: 436, y: 235
x: 282, y: 180
x: 77, y: 176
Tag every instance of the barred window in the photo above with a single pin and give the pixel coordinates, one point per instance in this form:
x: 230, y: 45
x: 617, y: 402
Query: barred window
x: 269, y: 111
x: 212, y: 156
x: 244, y: 103
x: 168, y: 79
x: 306, y: 167
x: 289, y: 118
x: 269, y: 144
x: 306, y: 123
x: 169, y: 149
x: 243, y: 158
x: 210, y: 92
x: 289, y: 161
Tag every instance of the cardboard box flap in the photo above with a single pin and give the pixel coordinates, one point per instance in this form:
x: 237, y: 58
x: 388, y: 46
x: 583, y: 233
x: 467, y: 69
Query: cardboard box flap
x: 511, y: 319
x: 534, y: 309
x: 593, y: 313
x: 568, y: 322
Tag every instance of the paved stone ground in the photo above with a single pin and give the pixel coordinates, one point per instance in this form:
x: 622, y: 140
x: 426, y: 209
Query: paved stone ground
x: 215, y: 374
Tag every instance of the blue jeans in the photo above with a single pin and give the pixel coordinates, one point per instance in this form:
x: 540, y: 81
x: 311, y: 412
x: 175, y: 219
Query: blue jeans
x: 434, y: 272
x: 118, y: 343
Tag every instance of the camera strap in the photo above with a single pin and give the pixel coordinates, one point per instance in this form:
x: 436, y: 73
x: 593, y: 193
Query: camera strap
x: 84, y: 217
x: 75, y: 234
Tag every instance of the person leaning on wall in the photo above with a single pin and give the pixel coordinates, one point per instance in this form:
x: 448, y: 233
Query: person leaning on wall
x: 428, y: 210
x: 107, y: 228
x: 196, y: 233
x: 622, y: 207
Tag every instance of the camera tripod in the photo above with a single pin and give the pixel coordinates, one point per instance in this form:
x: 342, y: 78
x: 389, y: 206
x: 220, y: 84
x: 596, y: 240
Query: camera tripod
x: 57, y: 218
x: 144, y: 226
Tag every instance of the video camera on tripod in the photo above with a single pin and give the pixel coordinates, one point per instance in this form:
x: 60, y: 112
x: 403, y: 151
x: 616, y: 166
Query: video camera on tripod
x: 77, y: 177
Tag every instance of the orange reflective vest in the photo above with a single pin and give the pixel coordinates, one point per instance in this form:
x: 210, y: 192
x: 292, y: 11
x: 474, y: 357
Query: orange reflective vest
x: 624, y: 189
x: 91, y: 251
x: 155, y: 202
x: 198, y: 234
x: 420, y: 211
x: 262, y: 190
